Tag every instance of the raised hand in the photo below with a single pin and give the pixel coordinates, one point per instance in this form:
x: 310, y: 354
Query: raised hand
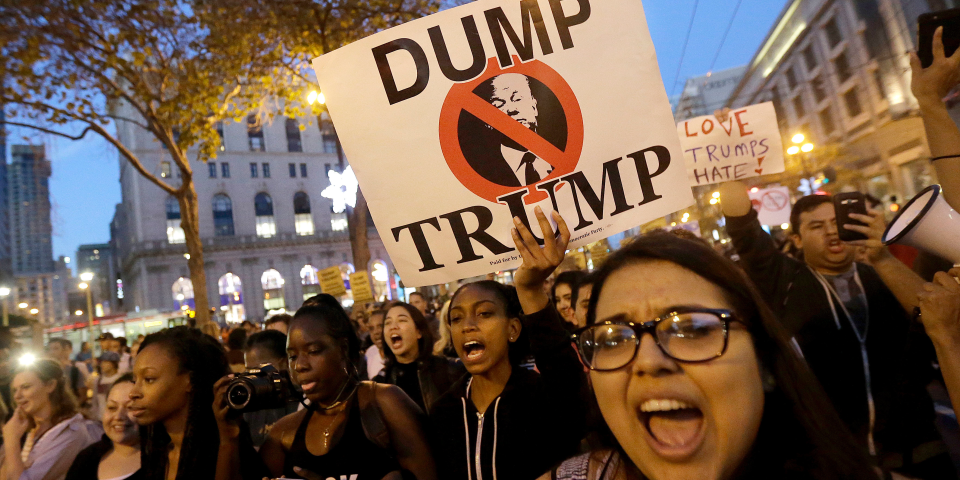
x: 538, y: 262
x: 228, y: 421
x: 875, y: 226
x: 933, y: 83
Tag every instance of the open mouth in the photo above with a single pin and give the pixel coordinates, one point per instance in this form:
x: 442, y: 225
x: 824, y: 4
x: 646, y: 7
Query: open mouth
x: 473, y: 350
x: 675, y: 426
x: 396, y: 341
x: 835, y: 246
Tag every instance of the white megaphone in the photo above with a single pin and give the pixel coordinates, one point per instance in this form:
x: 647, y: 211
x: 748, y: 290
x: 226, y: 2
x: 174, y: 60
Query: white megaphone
x: 928, y: 223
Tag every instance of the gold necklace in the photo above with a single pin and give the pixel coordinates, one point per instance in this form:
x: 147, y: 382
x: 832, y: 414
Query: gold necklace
x: 326, y: 430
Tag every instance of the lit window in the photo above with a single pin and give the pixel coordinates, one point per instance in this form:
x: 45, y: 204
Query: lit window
x: 303, y: 219
x: 338, y: 222
x: 272, y: 284
x: 174, y: 230
x: 310, y: 281
x: 263, y: 207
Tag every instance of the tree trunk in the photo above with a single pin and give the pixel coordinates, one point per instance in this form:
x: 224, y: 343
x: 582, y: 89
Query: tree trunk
x: 190, y: 222
x: 357, y: 225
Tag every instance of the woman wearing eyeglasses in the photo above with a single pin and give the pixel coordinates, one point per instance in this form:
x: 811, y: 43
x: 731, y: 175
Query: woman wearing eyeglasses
x: 695, y: 378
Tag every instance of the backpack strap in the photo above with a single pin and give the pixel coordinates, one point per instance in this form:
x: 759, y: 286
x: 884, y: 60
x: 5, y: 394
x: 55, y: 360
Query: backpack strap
x: 371, y: 417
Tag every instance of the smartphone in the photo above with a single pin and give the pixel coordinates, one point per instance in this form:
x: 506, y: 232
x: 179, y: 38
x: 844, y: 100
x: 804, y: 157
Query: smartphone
x: 845, y: 204
x: 928, y: 23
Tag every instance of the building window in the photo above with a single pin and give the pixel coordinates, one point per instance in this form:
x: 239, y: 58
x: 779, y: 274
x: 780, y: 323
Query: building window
x: 231, y: 298
x: 329, y: 144
x: 293, y: 135
x: 174, y: 230
x: 212, y: 168
x: 263, y: 208
x: 826, y: 121
x: 164, y: 169
x: 791, y: 78
x: 798, y: 106
x: 225, y: 170
x: 222, y: 215
x: 255, y: 134
x: 266, y: 170
x: 852, y: 100
x: 272, y: 283
x: 293, y: 170
x: 183, y: 294
x: 253, y: 170
x: 303, y: 170
x: 220, y: 134
x: 302, y: 217
x: 842, y: 66
x: 809, y: 59
x: 310, y: 281
x: 833, y: 33
x: 818, y: 92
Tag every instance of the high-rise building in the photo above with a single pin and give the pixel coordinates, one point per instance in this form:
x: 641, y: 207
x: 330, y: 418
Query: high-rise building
x: 6, y: 267
x: 838, y: 73
x: 98, y: 260
x: 29, y: 208
x: 265, y: 227
x: 704, y: 94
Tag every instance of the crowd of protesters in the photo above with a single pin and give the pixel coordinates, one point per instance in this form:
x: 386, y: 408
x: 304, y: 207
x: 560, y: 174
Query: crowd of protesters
x: 669, y: 361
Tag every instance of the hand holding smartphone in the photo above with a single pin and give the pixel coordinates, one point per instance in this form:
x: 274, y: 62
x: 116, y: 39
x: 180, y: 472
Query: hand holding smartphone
x: 928, y: 23
x: 845, y: 204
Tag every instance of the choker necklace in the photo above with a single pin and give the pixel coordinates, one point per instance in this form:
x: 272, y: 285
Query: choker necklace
x: 340, y: 401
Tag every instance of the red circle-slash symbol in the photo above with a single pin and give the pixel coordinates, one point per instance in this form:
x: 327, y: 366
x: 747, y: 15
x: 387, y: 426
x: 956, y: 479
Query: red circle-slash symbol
x: 775, y: 200
x: 461, y: 98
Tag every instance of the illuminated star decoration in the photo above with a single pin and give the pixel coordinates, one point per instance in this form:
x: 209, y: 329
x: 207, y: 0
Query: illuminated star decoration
x: 342, y: 189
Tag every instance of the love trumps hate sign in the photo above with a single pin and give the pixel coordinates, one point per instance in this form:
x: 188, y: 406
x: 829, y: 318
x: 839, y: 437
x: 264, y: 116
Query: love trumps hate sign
x: 457, y: 122
x: 746, y: 145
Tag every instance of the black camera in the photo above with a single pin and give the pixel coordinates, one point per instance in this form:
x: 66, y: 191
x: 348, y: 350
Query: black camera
x: 259, y: 389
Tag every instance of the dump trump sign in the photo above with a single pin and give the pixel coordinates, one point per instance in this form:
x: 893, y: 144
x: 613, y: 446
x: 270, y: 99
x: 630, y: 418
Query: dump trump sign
x: 458, y: 122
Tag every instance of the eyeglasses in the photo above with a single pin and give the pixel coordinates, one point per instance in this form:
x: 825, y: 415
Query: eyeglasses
x: 688, y: 335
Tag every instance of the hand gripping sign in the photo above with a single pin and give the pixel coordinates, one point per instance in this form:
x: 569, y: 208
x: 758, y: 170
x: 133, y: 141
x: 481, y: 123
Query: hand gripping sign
x: 458, y: 122
x: 747, y: 144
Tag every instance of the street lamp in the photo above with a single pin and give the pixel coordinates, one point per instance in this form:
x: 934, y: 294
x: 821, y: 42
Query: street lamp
x: 4, y: 294
x: 800, y: 145
x: 87, y: 277
x: 316, y: 97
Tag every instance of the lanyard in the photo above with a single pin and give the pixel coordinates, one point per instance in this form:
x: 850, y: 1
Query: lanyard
x: 862, y: 338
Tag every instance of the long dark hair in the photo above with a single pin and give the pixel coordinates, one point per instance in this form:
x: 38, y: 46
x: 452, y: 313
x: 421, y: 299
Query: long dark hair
x: 326, y: 310
x: 424, y: 344
x: 205, y: 361
x: 800, y: 431
x: 507, y: 294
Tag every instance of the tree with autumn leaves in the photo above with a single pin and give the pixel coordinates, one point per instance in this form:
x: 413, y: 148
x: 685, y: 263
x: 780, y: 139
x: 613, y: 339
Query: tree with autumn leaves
x: 181, y: 67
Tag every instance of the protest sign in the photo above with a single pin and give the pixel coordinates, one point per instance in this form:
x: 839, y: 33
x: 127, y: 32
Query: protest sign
x: 458, y: 122
x: 331, y: 281
x: 360, y: 286
x: 772, y: 205
x: 746, y: 145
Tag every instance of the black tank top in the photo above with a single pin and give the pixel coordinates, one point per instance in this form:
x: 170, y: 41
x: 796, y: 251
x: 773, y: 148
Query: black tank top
x: 354, y: 457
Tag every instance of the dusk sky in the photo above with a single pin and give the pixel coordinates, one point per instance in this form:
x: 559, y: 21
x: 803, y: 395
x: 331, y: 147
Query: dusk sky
x: 85, y: 185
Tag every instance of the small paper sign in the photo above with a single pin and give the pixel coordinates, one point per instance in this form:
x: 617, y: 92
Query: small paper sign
x: 772, y: 205
x: 331, y: 282
x: 746, y: 145
x: 360, y: 285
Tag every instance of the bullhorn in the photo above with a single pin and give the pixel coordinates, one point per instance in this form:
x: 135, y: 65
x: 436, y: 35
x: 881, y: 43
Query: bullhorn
x: 928, y: 223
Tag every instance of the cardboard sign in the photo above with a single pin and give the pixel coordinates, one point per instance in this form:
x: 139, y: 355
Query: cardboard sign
x: 772, y: 205
x: 360, y: 286
x: 746, y: 145
x: 331, y: 282
x: 458, y: 122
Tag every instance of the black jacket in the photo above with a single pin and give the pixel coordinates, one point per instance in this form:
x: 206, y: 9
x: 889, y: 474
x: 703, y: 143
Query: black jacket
x: 897, y: 349
x: 535, y: 423
x: 435, y: 374
x: 87, y: 463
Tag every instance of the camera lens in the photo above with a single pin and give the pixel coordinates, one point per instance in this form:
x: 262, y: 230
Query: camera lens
x: 239, y: 395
